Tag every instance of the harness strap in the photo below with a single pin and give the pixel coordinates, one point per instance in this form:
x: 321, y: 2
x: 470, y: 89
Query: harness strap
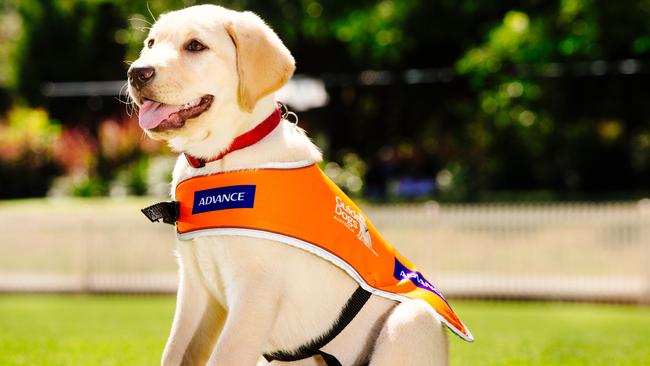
x: 350, y: 310
x: 329, y: 359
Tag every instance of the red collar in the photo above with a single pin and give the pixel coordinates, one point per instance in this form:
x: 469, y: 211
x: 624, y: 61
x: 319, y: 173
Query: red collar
x: 244, y: 140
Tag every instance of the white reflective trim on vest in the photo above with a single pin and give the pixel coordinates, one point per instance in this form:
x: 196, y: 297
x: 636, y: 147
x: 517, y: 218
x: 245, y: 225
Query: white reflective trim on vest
x: 301, y: 244
x: 274, y: 165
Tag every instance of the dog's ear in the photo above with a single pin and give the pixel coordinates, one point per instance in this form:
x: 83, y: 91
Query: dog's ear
x: 264, y: 64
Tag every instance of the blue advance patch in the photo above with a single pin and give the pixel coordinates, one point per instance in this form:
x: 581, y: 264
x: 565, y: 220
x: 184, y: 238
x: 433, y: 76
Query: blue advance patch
x: 223, y: 198
x: 401, y: 272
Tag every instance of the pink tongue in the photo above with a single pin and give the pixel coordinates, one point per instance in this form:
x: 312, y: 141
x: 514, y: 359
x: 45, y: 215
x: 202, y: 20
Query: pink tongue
x: 153, y: 113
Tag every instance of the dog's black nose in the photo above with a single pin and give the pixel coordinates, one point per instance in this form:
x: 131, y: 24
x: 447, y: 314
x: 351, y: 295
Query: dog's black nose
x: 141, y: 76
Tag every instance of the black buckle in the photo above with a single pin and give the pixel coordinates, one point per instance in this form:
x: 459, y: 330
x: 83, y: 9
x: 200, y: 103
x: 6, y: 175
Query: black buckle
x: 167, y: 211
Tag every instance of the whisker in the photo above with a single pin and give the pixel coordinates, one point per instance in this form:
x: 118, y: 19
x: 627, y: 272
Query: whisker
x: 140, y: 20
x: 150, y: 13
x: 129, y: 102
x: 123, y: 89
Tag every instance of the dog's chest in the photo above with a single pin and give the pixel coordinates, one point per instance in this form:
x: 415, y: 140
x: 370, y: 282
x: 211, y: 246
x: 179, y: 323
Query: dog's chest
x: 311, y: 292
x: 224, y: 264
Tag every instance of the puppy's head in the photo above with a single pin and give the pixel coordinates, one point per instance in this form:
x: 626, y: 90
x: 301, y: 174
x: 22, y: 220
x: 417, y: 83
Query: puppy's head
x: 200, y: 70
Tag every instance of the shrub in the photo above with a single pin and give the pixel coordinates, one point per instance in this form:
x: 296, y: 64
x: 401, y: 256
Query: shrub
x: 27, y: 166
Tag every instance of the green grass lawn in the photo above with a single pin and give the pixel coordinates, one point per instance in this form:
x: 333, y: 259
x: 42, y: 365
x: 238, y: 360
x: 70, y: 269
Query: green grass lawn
x: 108, y: 330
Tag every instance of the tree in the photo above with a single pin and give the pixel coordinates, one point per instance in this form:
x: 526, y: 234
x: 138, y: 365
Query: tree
x: 66, y: 41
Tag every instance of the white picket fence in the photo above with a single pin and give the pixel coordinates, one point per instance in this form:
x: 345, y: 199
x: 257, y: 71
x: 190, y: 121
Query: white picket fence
x: 593, y: 252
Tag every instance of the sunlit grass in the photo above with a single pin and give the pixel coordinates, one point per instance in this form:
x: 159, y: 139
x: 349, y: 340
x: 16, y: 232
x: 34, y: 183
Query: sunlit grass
x: 83, y: 330
x: 553, y: 334
x: 131, y: 330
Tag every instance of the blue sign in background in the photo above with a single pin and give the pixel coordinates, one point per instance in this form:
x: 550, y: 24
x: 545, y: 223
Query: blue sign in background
x: 224, y: 198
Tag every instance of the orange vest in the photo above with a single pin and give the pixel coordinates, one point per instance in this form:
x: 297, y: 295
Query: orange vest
x: 300, y: 206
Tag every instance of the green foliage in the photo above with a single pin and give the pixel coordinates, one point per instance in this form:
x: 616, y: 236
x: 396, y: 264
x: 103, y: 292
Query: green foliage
x: 27, y: 163
x: 538, y: 98
x: 375, y: 31
x: 88, y: 187
x: 64, y: 40
x: 27, y: 135
x: 34, y: 148
x: 371, y: 31
x: 131, y: 179
x: 517, y: 123
x: 115, y: 163
x: 348, y: 175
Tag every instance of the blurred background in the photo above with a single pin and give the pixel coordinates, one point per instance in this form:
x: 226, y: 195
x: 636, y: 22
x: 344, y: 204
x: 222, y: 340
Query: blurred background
x: 503, y: 146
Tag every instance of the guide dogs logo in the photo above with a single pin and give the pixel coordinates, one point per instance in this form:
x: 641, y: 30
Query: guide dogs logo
x: 353, y: 221
x: 224, y: 198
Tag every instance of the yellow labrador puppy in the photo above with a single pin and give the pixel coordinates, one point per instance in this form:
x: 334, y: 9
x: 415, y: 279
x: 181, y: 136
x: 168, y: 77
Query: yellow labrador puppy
x: 206, y: 75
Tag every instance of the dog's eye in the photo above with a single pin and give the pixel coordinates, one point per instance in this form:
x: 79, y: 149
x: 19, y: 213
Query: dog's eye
x: 150, y: 43
x: 195, y: 46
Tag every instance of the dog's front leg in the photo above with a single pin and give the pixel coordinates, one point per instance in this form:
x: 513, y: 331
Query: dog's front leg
x: 251, y: 317
x: 197, y: 321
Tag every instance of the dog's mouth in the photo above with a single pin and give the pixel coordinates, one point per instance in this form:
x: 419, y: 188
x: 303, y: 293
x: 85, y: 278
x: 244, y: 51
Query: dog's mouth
x: 157, y: 117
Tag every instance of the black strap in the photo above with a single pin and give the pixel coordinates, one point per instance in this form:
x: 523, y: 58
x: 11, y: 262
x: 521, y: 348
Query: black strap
x: 329, y: 359
x: 167, y: 211
x: 350, y: 310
